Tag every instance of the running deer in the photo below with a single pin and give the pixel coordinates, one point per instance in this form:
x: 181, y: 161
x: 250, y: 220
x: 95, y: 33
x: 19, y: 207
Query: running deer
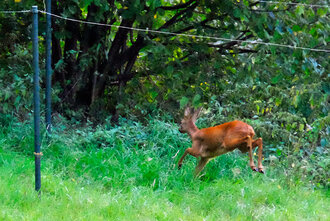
x: 211, y: 142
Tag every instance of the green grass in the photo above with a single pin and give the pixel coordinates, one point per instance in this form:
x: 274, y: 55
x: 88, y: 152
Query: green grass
x: 129, y: 172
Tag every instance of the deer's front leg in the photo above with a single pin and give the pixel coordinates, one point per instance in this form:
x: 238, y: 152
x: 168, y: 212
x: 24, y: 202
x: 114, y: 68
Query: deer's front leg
x: 191, y: 152
x: 181, y: 159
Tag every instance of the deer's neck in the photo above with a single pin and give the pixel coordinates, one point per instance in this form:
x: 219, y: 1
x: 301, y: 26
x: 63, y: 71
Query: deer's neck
x: 192, y: 129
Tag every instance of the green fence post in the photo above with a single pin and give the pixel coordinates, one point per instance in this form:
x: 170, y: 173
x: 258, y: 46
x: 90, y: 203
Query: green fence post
x: 36, y: 97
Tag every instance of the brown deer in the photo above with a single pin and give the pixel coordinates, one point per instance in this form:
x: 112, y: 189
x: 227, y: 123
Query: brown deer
x: 211, y: 142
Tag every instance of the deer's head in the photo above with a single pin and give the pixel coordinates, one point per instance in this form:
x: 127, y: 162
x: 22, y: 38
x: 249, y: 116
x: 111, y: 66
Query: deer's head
x: 189, y: 119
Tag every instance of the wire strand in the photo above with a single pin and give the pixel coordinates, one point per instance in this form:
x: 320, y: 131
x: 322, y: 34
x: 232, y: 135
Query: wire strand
x: 187, y: 35
x: 13, y: 12
x: 294, y: 4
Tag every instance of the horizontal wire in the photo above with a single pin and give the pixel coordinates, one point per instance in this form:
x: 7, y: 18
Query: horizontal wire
x: 12, y: 12
x: 261, y: 1
x: 186, y: 35
x: 295, y: 4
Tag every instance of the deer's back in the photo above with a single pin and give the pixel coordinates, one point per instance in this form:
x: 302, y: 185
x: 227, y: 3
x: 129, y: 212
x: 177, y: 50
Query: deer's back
x: 218, y: 139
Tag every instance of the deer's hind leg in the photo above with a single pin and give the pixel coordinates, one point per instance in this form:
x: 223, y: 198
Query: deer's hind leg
x: 244, y: 144
x: 258, y: 142
x: 249, y: 144
x: 202, y: 162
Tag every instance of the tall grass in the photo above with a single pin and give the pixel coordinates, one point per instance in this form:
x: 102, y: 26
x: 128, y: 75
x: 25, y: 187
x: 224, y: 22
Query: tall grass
x: 128, y: 172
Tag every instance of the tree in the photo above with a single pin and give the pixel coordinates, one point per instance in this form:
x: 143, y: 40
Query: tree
x: 102, y: 65
x: 104, y: 57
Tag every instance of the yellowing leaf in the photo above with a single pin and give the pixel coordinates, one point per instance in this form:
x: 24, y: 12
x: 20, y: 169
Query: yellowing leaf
x: 295, y: 79
x: 17, y: 1
x: 155, y: 16
x: 278, y: 101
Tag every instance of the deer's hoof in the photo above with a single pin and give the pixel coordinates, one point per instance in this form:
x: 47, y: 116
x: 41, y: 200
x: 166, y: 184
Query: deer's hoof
x: 254, y: 169
x: 261, y: 171
x: 179, y: 166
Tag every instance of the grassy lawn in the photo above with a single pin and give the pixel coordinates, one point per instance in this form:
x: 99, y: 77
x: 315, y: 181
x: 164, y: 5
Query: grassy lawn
x: 129, y: 173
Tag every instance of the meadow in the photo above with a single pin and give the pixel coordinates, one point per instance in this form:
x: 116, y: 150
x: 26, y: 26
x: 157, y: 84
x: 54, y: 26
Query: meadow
x: 129, y: 172
x: 119, y: 88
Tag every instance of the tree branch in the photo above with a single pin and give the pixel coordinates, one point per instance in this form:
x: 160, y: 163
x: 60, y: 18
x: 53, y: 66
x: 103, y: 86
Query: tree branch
x: 230, y: 44
x: 202, y: 23
x: 175, y: 7
x: 267, y: 11
x: 253, y: 4
x: 175, y: 17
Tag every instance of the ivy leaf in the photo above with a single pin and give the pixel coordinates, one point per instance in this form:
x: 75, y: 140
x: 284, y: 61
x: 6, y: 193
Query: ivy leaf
x: 196, y: 100
x: 296, y: 28
x: 323, y: 142
x: 276, y: 79
x: 278, y: 101
x: 322, y: 12
x: 183, y: 102
x: 313, y: 32
x: 170, y: 69
x: 237, y: 13
x: 300, y: 10
x: 7, y: 95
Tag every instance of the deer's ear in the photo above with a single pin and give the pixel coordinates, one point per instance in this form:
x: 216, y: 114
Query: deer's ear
x: 187, y: 111
x: 196, y: 113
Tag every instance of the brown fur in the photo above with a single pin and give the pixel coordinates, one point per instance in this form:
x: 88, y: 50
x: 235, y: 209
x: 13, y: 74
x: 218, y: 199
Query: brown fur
x: 211, y: 142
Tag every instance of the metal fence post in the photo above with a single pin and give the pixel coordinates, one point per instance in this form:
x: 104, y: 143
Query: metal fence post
x: 48, y: 67
x: 36, y: 97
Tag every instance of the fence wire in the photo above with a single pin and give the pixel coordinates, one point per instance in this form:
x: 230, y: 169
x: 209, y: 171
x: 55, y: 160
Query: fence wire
x: 14, y: 12
x: 187, y: 35
x: 295, y: 4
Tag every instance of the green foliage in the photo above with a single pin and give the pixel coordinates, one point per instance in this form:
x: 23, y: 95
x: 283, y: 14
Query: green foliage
x: 16, y: 83
x: 16, y: 72
x: 129, y: 171
x: 98, y: 151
